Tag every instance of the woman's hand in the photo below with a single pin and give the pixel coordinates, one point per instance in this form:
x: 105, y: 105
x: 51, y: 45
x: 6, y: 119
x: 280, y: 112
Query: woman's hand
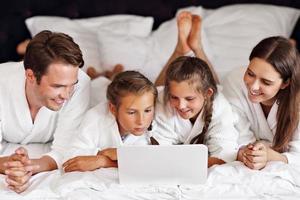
x: 254, y: 156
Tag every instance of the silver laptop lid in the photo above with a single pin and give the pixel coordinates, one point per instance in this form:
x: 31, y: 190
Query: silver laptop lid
x: 152, y: 164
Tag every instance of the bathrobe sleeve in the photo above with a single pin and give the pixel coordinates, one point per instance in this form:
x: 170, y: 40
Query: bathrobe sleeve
x: 86, y: 139
x: 70, y: 117
x: 293, y: 155
x: 221, y: 137
x: 1, y: 137
x: 233, y: 91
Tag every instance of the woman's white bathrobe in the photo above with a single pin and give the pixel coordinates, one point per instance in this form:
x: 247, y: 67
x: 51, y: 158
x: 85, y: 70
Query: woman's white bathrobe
x: 99, y: 130
x: 252, y: 123
x: 16, y: 124
x: 221, y: 137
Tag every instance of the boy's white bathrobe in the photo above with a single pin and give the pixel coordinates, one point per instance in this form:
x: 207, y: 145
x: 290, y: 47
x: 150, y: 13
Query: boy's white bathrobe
x: 16, y: 124
x: 221, y: 137
x: 252, y: 123
x: 99, y: 130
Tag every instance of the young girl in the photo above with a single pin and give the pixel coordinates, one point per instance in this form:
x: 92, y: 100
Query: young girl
x: 266, y: 95
x: 190, y: 109
x: 124, y: 120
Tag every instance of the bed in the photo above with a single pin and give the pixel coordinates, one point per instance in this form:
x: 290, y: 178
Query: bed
x: 142, y: 37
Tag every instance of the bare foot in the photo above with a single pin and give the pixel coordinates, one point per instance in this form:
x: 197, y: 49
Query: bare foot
x: 21, y: 48
x: 116, y: 70
x: 293, y: 42
x: 194, y: 39
x: 92, y: 73
x: 184, y: 24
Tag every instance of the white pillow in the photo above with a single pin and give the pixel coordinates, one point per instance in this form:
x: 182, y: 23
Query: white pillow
x: 84, y: 31
x: 128, y: 50
x: 233, y: 31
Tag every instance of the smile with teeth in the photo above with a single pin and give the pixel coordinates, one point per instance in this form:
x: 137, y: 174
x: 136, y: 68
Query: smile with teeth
x: 59, y: 101
x: 254, y: 93
x: 184, y: 111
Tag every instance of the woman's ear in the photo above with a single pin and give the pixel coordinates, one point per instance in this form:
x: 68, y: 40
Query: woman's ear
x: 112, y: 108
x: 285, y: 84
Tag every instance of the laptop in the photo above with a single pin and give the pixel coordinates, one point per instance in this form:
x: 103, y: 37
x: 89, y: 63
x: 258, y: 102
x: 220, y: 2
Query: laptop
x: 157, y: 164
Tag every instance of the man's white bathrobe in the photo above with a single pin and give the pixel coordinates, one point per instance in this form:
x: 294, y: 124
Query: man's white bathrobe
x: 252, y: 123
x: 221, y: 137
x: 16, y: 125
x: 99, y: 130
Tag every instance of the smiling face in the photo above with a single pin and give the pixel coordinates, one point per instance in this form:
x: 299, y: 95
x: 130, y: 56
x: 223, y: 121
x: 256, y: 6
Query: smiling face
x: 56, y: 86
x: 263, y: 82
x: 185, y: 99
x: 135, y: 113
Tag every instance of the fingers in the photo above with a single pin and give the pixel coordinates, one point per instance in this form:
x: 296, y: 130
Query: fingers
x: 72, y: 167
x: 68, y: 162
x: 15, y: 172
x: 21, y: 150
x: 259, y: 146
x: 21, y: 171
x: 18, y: 180
x: 10, y: 164
x: 19, y: 189
x: 20, y: 157
x: 72, y: 164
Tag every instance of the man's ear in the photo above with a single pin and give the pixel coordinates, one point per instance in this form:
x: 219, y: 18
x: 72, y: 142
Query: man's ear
x: 209, y: 92
x: 112, y: 108
x: 285, y: 84
x: 30, y: 75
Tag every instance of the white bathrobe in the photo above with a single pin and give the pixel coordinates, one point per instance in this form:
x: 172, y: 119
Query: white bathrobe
x: 252, y: 123
x: 99, y: 130
x: 221, y: 137
x: 16, y: 124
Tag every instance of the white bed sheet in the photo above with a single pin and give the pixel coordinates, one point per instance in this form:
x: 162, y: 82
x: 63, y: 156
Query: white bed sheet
x: 229, y: 181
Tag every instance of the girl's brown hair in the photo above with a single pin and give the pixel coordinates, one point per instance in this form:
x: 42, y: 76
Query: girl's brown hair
x: 284, y: 57
x: 129, y: 82
x: 198, y: 74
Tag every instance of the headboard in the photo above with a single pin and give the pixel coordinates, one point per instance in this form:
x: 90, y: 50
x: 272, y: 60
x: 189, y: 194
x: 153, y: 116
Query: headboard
x: 14, y: 12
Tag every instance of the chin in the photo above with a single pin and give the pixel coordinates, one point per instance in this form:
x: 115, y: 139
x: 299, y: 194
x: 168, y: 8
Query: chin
x: 54, y: 107
x: 137, y: 133
x: 185, y: 116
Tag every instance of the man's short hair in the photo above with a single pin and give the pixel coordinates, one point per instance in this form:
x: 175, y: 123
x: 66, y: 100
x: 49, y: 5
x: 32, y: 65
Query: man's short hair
x: 49, y: 47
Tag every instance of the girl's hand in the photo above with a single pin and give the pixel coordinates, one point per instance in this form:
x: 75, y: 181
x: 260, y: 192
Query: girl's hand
x: 85, y: 163
x: 111, y: 153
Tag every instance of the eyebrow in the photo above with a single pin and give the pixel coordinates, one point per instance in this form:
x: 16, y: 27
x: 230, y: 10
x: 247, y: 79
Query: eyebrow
x: 132, y: 109
x: 60, y: 85
x: 266, y: 80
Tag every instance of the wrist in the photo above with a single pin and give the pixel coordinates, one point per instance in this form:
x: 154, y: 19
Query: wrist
x: 100, y: 161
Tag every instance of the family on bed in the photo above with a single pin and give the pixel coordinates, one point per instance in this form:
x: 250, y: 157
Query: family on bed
x: 252, y: 118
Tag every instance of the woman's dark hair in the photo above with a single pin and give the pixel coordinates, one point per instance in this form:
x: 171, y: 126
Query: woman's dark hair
x: 284, y: 57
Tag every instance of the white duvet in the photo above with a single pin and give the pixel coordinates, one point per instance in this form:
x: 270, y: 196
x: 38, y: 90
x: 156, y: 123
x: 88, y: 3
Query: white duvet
x: 229, y: 181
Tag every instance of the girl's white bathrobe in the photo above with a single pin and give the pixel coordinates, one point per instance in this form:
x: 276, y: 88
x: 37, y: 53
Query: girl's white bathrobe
x: 252, y: 123
x: 221, y: 137
x: 16, y: 125
x: 99, y: 130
